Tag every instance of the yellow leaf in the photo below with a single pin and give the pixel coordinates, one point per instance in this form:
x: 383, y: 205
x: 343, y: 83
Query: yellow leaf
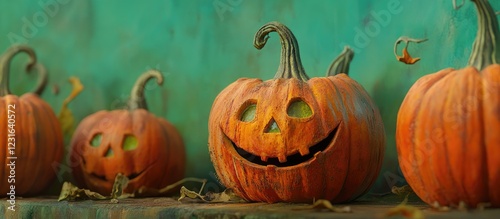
x: 405, y: 210
x: 65, y: 116
x: 325, y: 204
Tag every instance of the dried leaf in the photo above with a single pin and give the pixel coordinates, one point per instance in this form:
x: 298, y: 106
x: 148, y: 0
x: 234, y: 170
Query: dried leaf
x: 65, y: 115
x: 71, y: 193
x: 405, y: 210
x: 403, y: 190
x: 188, y: 193
x: 406, y: 58
x: 325, y: 204
x: 226, y: 196
x: 120, y: 183
x: 145, y: 191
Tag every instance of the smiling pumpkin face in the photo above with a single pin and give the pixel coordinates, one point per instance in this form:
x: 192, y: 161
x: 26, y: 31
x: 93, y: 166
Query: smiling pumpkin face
x: 279, y: 121
x: 295, y: 139
x: 146, y: 149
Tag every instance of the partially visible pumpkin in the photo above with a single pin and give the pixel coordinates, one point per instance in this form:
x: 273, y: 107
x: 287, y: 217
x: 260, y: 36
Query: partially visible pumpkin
x: 295, y: 139
x: 448, y: 126
x: 147, y: 149
x: 29, y: 133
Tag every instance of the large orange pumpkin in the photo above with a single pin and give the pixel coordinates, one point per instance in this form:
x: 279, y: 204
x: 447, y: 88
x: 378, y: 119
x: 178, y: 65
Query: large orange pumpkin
x: 30, y: 134
x: 448, y: 126
x: 147, y: 149
x: 295, y: 139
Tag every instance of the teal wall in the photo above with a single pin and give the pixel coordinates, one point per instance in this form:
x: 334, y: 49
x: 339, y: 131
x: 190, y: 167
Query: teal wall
x: 202, y: 46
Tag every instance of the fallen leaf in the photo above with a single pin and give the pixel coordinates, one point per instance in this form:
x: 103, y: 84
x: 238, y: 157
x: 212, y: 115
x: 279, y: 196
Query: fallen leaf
x: 188, y: 193
x: 145, y: 191
x: 405, y: 210
x: 71, y: 192
x: 325, y: 204
x: 225, y: 196
x: 119, y: 185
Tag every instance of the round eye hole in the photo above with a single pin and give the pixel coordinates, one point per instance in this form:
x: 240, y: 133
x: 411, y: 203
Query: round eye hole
x: 299, y: 109
x: 249, y: 112
x: 96, y: 140
x: 129, y: 142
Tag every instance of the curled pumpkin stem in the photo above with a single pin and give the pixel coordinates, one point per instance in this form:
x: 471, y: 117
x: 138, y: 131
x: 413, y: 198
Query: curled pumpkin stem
x: 341, y: 63
x: 42, y: 79
x: 406, y: 57
x: 137, y: 100
x: 5, y: 60
x: 290, y: 64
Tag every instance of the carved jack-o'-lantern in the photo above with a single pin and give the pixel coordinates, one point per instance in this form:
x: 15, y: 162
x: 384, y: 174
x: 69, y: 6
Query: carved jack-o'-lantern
x: 145, y: 148
x: 295, y: 139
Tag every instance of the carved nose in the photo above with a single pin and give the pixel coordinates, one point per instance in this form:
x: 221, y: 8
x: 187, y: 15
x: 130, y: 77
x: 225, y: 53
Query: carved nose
x: 272, y: 127
x: 109, y: 152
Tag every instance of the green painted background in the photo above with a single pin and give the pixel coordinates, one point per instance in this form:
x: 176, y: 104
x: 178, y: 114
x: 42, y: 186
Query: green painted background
x: 202, y: 46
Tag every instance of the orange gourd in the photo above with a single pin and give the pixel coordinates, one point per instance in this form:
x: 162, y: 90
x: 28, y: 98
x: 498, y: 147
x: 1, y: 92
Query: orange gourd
x: 295, y: 139
x: 29, y: 132
x: 448, y: 126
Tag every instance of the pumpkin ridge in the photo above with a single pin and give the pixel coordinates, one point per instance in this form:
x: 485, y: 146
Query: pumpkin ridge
x: 443, y: 199
x: 421, y: 86
x: 461, y: 83
x: 26, y: 107
x: 54, y: 136
x: 429, y: 179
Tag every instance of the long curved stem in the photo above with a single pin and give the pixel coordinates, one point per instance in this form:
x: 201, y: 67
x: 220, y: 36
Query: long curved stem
x: 341, y: 63
x: 290, y: 64
x: 42, y: 79
x: 5, y: 60
x: 484, y: 50
x: 137, y: 100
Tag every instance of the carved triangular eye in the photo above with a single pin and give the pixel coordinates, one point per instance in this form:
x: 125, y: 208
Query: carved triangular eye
x: 299, y: 109
x: 96, y: 140
x: 129, y: 143
x: 248, y: 114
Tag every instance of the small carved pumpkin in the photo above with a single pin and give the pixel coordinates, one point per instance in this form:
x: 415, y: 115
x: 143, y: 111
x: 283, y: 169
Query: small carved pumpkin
x: 292, y: 138
x: 29, y: 131
x: 448, y: 126
x: 146, y: 149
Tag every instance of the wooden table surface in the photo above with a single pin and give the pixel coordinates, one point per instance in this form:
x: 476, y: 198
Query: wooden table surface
x: 371, y: 207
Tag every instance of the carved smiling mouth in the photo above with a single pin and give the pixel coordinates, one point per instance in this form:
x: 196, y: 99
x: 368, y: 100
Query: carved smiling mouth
x: 293, y: 159
x: 131, y: 176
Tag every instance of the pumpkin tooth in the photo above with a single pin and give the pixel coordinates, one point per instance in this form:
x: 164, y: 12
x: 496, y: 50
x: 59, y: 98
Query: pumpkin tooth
x: 263, y: 158
x: 318, y: 155
x: 304, y: 151
x: 282, y: 158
